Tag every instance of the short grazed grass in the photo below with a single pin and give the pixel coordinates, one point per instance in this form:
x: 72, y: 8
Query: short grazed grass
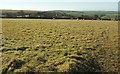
x: 59, y: 45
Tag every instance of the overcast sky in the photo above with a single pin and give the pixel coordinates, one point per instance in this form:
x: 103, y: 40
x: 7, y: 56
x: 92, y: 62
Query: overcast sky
x: 76, y: 5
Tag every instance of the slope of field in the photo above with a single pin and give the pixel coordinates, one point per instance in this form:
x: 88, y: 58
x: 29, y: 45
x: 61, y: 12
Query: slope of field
x: 59, y: 45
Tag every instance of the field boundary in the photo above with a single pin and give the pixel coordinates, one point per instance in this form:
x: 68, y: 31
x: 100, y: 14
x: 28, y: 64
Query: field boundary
x: 119, y: 36
x: 0, y: 42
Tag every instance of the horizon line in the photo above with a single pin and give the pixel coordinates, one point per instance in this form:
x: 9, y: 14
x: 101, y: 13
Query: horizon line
x: 57, y: 10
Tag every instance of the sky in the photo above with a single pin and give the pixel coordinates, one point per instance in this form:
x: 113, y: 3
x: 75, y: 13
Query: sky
x: 74, y: 5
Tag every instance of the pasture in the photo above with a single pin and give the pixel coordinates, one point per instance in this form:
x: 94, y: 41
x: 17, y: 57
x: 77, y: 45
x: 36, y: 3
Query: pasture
x: 36, y: 45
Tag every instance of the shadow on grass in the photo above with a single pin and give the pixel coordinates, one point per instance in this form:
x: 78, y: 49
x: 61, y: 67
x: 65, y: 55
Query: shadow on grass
x: 90, y: 65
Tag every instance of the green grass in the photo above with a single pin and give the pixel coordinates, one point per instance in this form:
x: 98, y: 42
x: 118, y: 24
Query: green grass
x: 59, y: 45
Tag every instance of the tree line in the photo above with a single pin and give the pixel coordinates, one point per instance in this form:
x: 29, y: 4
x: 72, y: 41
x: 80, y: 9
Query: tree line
x: 56, y: 15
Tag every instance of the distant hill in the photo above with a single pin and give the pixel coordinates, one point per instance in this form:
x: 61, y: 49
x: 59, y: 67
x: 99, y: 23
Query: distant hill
x: 60, y: 14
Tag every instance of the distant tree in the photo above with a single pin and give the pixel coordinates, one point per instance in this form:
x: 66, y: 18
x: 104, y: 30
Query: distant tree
x: 21, y: 13
x: 38, y: 13
x: 10, y: 15
x: 82, y: 16
x: 96, y: 17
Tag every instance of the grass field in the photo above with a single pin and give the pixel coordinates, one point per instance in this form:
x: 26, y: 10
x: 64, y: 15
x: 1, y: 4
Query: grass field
x: 31, y: 45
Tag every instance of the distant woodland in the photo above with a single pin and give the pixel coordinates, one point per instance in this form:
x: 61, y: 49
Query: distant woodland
x: 58, y: 14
